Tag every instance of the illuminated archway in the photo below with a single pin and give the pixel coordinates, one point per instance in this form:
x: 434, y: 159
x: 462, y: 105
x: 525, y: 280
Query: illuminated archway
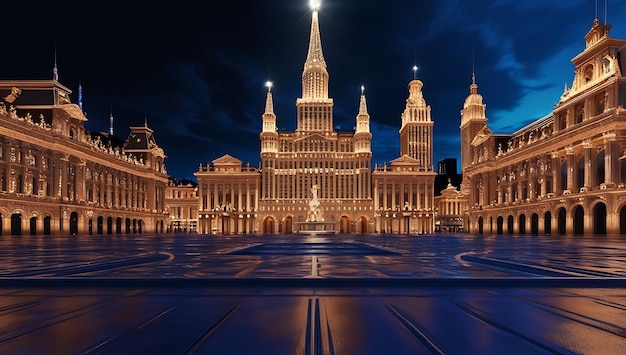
x: 561, y: 223
x: 547, y: 223
x: 522, y: 224
x: 288, y: 225
x: 534, y: 224
x: 268, y: 225
x: 480, y: 225
x: 74, y: 223
x: 344, y: 225
x: 16, y: 223
x: 47, y: 221
x: 579, y: 220
x: 363, y: 225
x: 500, y: 225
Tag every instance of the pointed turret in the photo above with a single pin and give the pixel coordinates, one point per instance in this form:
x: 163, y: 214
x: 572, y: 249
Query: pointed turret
x: 315, y: 76
x: 416, y: 133
x: 315, y: 109
x: 473, y: 119
x: 269, y: 135
x: 111, y: 122
x: 363, y: 135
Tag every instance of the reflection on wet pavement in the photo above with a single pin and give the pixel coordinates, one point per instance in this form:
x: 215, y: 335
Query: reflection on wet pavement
x: 312, y: 295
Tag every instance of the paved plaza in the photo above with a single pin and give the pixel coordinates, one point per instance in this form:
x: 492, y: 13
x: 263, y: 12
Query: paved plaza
x: 312, y: 294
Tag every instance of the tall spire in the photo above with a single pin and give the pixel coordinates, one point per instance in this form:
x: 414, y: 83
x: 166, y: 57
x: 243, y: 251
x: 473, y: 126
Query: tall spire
x: 55, y: 71
x: 363, y: 103
x: 315, y: 75
x: 111, y: 122
x: 80, y: 95
x: 269, y: 102
x: 315, y: 55
x: 363, y: 136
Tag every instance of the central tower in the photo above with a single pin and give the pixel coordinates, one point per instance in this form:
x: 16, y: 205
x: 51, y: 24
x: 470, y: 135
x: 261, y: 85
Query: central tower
x: 337, y: 163
x: 315, y: 109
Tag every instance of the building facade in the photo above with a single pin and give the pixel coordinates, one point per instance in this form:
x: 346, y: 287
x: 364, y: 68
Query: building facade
x: 404, y: 191
x: 56, y: 178
x: 564, y: 174
x: 228, y: 195
x: 316, y: 160
x: 450, y: 207
x: 181, y: 200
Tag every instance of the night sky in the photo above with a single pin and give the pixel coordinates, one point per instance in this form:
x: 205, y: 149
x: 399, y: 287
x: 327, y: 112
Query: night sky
x: 195, y: 70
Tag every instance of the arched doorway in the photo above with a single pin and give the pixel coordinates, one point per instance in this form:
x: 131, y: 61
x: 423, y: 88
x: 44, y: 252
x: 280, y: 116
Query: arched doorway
x: 47, y: 220
x: 490, y: 225
x: 344, y: 225
x: 74, y: 223
x: 127, y: 226
x: 500, y: 225
x: 362, y: 225
x: 134, y: 226
x: 100, y: 225
x: 90, y: 226
x: 622, y: 220
x: 140, y: 226
x: 561, y: 223
x: 0, y: 223
x: 268, y: 225
x: 534, y: 224
x: 579, y: 220
x: 509, y: 225
x: 16, y: 223
x: 599, y: 219
x: 118, y: 225
x: 480, y: 225
x: 522, y: 224
x: 109, y: 225
x: 547, y: 223
x: 288, y: 225
x: 33, y: 225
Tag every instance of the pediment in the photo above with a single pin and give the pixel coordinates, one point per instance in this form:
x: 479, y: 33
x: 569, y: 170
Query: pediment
x: 482, y: 136
x: 227, y: 159
x: 405, y: 160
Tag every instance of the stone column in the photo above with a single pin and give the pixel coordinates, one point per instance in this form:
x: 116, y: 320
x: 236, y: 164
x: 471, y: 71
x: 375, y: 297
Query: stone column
x: 571, y: 165
x: 588, y: 174
x: 611, y: 160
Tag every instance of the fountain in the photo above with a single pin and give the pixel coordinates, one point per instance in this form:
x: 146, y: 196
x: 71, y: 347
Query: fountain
x: 315, y: 223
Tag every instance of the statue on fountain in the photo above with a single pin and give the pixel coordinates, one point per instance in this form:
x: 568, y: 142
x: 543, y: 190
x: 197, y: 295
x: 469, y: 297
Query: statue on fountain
x: 314, y: 206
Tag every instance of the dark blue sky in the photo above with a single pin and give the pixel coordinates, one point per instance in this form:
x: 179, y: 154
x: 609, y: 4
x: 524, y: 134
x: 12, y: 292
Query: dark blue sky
x: 196, y: 69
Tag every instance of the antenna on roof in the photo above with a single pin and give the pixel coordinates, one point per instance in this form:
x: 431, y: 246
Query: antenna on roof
x: 80, y: 95
x: 111, y: 121
x: 473, y: 66
x: 55, y: 71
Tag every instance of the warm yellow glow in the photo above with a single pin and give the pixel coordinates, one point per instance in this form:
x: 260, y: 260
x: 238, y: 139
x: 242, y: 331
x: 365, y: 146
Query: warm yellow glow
x: 268, y: 85
x: 315, y: 4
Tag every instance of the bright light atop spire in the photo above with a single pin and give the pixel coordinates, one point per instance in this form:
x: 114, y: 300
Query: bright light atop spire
x: 268, y: 85
x: 362, y: 89
x: 315, y: 4
x: 415, y: 72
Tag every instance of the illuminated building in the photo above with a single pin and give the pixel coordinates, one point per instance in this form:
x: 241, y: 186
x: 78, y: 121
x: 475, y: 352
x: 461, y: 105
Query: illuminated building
x: 404, y: 191
x: 564, y: 174
x: 450, y: 210
x: 228, y: 195
x: 181, y: 201
x: 337, y: 164
x: 57, y: 178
